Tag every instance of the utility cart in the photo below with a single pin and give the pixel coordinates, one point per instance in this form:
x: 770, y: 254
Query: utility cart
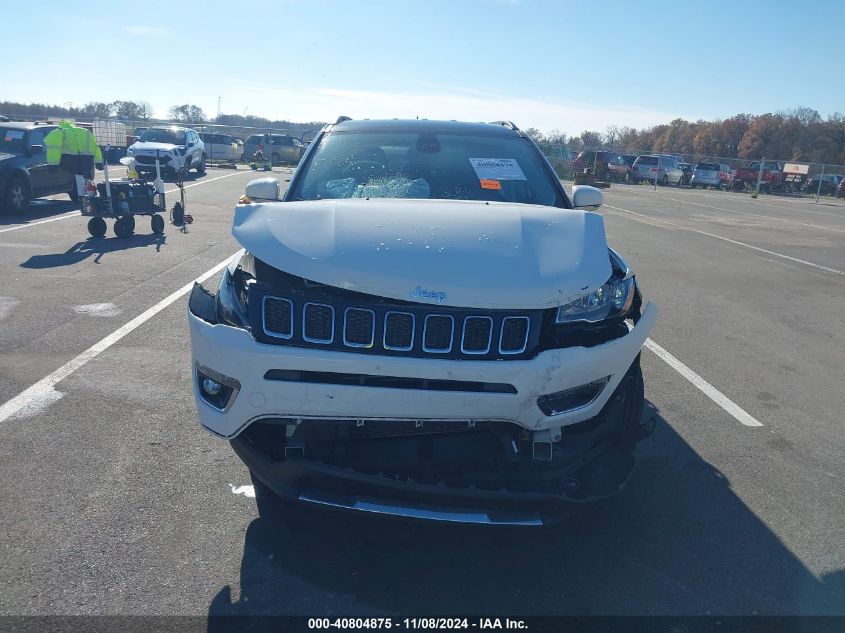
x: 122, y: 200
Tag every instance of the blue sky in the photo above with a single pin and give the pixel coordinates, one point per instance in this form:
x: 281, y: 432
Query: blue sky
x: 541, y: 63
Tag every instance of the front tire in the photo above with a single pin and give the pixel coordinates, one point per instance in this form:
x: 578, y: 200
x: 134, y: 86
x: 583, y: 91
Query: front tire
x: 16, y: 197
x: 201, y: 166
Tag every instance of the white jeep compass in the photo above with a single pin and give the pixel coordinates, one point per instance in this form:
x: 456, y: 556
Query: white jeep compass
x: 425, y: 325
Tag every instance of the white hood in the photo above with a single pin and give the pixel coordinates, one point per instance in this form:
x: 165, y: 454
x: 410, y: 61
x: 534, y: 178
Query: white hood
x: 466, y: 253
x: 150, y: 147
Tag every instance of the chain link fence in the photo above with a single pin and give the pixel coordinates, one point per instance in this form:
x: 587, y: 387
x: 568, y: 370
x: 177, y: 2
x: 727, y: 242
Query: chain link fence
x: 599, y: 165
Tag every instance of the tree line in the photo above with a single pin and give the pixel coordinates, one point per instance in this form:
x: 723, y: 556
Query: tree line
x: 800, y: 135
x: 142, y: 111
x: 135, y: 110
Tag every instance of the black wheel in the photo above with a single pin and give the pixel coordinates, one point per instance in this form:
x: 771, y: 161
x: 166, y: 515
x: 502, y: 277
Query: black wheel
x: 157, y: 224
x: 16, y: 196
x: 97, y: 227
x: 275, y: 159
x: 664, y: 181
x: 201, y: 166
x: 74, y: 197
x: 177, y: 214
x: 124, y: 226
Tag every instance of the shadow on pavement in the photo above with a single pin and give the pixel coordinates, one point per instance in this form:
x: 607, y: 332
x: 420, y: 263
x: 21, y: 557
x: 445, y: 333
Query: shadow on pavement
x: 677, y: 541
x: 38, y: 210
x: 96, y: 247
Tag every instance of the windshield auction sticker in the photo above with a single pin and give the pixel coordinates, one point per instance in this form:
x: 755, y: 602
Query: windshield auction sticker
x: 497, y: 169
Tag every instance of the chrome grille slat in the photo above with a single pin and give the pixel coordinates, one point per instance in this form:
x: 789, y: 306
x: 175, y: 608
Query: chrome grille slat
x: 436, y: 333
x: 476, y: 334
x: 512, y: 332
x: 277, y: 317
x: 397, y: 329
x: 359, y: 327
x: 319, y: 319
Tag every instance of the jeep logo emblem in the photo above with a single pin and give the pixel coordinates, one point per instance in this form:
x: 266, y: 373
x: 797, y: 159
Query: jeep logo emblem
x: 421, y: 294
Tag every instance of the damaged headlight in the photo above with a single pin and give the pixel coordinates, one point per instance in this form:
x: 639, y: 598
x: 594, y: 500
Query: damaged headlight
x: 233, y: 293
x: 610, y: 300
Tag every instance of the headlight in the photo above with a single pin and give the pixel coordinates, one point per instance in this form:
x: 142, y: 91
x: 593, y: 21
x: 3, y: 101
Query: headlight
x: 232, y: 296
x: 130, y: 151
x: 181, y: 150
x: 610, y: 300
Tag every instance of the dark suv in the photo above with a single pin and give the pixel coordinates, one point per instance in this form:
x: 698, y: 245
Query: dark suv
x: 24, y: 173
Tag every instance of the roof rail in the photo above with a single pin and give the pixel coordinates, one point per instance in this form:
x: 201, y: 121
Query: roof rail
x: 508, y: 124
x: 341, y: 119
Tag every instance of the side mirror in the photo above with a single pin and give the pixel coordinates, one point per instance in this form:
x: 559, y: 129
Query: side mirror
x: 35, y: 149
x: 586, y: 197
x: 264, y: 189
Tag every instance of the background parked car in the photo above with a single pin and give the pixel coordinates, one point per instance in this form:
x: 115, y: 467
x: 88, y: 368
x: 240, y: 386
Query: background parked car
x: 178, y: 149
x: 706, y: 175
x: 771, y: 176
x: 656, y: 167
x: 617, y: 168
x: 24, y: 173
x: 280, y: 148
x: 829, y: 184
x: 222, y: 147
x: 599, y: 162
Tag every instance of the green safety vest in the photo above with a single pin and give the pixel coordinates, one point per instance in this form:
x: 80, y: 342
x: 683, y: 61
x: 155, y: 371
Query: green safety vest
x: 72, y: 148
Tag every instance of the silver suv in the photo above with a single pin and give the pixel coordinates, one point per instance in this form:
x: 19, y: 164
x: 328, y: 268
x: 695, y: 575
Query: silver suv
x: 279, y: 148
x: 659, y: 168
x: 706, y: 175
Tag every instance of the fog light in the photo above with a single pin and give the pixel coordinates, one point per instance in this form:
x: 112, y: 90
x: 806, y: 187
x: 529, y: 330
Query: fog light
x: 215, y: 389
x: 211, y: 387
x: 563, y: 401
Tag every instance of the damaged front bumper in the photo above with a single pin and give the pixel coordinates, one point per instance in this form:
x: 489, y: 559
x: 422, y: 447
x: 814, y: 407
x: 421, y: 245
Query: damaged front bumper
x: 482, y: 475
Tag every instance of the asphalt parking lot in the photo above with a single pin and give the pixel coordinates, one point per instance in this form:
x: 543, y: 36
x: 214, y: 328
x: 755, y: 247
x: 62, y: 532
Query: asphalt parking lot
x: 116, y: 502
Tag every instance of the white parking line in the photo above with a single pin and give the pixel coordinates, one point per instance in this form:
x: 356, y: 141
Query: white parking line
x: 793, y: 206
x: 702, y: 385
x: 73, y: 214
x: 43, y: 390
x: 729, y: 240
